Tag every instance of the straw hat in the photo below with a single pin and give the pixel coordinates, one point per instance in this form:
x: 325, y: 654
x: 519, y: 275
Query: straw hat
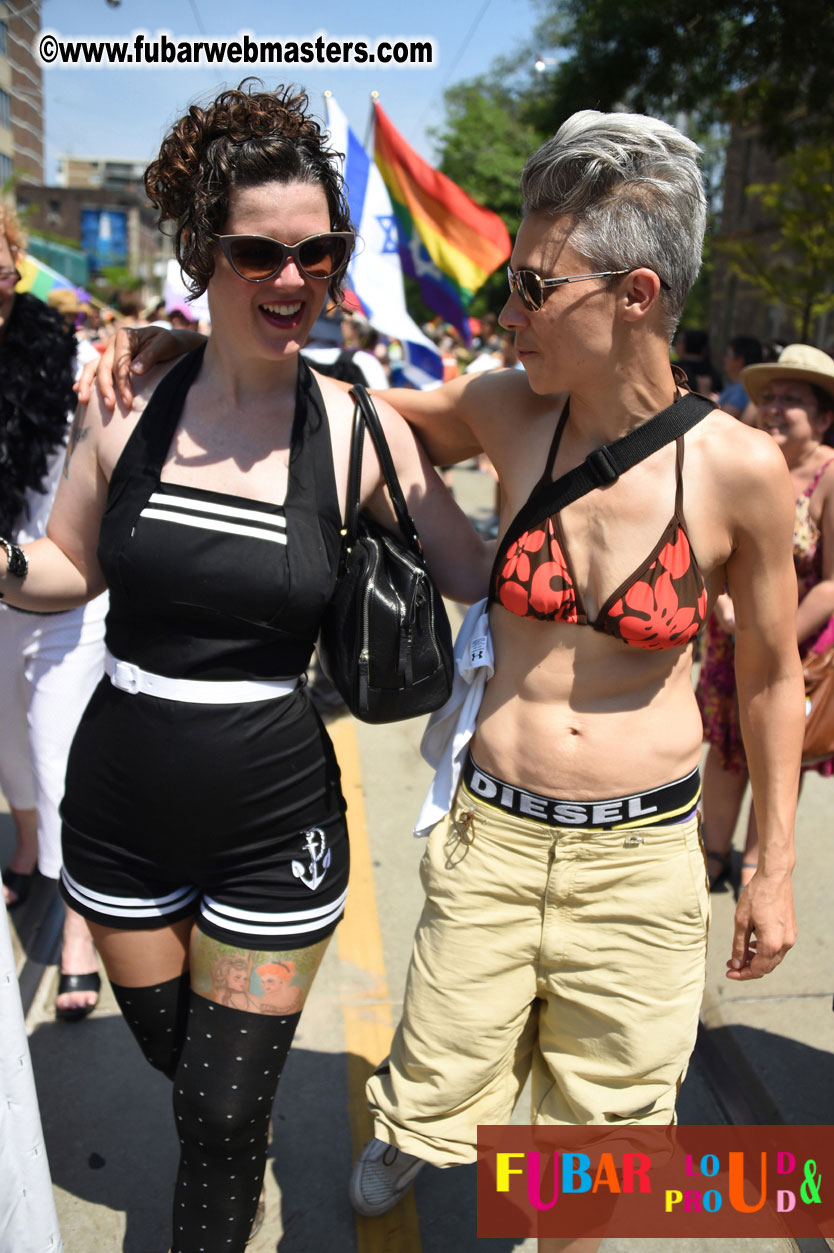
x: 65, y: 300
x: 797, y: 361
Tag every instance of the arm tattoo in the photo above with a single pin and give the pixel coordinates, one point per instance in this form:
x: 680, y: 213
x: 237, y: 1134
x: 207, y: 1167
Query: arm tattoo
x: 77, y: 432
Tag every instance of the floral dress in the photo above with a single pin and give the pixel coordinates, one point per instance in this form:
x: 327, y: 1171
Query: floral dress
x: 716, y: 690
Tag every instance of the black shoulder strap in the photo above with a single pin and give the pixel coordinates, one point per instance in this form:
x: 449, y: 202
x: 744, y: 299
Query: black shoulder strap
x: 147, y: 446
x: 365, y: 415
x: 605, y: 465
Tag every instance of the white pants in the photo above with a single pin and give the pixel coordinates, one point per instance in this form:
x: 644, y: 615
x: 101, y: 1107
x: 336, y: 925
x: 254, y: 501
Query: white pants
x: 49, y: 666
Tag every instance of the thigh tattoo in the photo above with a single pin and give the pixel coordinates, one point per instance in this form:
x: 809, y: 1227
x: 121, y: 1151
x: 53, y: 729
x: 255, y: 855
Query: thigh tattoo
x: 254, y: 980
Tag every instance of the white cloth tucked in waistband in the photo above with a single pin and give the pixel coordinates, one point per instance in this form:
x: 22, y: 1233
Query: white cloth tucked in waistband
x: 446, y: 738
x: 133, y: 679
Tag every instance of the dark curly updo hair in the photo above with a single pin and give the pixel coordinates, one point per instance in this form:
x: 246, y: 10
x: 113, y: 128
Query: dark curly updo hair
x: 244, y: 138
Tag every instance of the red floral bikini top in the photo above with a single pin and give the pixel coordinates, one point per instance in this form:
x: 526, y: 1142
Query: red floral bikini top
x: 663, y: 604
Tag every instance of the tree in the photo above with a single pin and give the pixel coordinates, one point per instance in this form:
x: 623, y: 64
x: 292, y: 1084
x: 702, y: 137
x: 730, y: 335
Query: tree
x: 797, y: 269
x: 768, y: 61
x: 485, y: 145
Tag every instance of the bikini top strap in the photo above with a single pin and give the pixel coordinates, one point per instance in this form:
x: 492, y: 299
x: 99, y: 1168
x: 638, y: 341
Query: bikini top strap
x: 604, y: 466
x: 809, y: 490
x: 547, y: 474
x: 679, y: 451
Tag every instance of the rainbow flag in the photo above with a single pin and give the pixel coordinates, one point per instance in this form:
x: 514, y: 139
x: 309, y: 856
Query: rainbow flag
x: 39, y: 278
x: 447, y: 242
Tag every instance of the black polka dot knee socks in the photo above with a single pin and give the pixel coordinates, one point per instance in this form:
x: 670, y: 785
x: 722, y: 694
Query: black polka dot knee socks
x: 157, y: 1016
x: 225, y: 1083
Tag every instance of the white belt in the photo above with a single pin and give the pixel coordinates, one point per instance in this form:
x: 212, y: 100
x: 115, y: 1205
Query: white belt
x: 130, y: 678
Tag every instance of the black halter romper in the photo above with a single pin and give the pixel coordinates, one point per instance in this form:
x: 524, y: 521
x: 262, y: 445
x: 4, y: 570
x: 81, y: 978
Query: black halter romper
x: 234, y: 811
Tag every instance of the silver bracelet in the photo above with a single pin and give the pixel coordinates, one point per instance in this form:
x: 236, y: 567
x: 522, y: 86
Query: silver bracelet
x: 16, y: 559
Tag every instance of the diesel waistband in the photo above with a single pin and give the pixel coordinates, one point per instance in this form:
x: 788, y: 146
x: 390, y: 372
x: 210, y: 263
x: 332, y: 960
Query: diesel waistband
x: 670, y: 803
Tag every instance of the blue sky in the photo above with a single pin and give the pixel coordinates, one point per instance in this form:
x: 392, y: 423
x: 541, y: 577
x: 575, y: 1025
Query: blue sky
x: 125, y: 112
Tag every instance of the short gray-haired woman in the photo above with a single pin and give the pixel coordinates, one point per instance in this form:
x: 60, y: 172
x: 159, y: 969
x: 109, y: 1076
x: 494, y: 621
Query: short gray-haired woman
x: 564, y: 930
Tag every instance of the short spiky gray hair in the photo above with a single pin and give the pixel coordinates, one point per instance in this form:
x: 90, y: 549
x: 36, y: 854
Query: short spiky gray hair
x: 633, y: 187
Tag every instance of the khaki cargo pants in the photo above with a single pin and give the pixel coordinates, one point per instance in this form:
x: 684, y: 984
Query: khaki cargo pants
x: 574, y: 956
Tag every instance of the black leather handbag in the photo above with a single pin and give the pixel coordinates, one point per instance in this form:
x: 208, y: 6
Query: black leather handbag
x: 385, y: 640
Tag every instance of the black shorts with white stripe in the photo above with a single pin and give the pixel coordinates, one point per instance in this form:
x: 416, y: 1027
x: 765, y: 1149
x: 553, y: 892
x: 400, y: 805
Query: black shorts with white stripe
x: 243, y: 826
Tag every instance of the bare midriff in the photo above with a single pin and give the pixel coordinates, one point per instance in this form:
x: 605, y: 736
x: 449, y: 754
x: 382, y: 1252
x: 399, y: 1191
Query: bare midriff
x: 576, y: 714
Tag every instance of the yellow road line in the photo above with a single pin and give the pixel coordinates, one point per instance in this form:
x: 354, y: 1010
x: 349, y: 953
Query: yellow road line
x: 366, y: 1007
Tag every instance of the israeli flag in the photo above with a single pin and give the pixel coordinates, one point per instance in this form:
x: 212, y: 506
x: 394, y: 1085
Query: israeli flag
x: 375, y: 271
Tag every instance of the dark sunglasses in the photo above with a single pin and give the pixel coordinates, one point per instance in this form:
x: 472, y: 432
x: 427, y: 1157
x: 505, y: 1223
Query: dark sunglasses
x: 533, y: 290
x: 257, y: 257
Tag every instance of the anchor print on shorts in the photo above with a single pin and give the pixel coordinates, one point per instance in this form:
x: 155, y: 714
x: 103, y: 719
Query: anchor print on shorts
x: 315, y: 843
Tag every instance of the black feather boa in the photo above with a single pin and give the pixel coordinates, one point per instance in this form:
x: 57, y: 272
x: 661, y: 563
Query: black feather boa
x: 37, y: 371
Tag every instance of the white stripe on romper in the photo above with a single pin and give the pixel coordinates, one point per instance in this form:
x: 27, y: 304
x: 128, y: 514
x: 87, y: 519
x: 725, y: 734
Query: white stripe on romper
x: 129, y: 906
x: 188, y: 512
x: 229, y: 919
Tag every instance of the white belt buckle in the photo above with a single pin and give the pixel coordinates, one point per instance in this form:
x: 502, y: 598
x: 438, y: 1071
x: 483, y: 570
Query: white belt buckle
x: 127, y: 677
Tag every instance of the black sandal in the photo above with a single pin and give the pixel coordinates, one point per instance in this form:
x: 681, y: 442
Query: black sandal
x: 77, y: 983
x: 722, y: 860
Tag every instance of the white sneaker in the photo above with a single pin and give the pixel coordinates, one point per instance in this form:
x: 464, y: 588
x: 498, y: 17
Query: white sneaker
x: 382, y: 1175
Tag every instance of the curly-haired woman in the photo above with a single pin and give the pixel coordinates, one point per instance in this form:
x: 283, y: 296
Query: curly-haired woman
x: 213, y: 511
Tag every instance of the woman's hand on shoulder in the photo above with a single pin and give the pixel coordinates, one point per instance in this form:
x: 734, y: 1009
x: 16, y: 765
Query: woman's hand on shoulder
x: 134, y: 351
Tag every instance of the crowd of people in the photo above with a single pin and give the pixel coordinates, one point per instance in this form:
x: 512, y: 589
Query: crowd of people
x: 49, y: 662
x: 793, y: 399
x: 209, y: 508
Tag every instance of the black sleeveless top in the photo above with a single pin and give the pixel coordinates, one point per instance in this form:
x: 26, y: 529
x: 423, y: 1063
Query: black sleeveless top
x: 208, y: 585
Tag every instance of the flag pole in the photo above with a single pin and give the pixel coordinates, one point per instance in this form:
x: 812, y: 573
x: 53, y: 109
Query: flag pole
x: 369, y: 131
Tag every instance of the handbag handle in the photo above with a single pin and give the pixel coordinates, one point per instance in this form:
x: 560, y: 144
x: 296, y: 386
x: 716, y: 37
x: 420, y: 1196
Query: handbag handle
x: 365, y: 415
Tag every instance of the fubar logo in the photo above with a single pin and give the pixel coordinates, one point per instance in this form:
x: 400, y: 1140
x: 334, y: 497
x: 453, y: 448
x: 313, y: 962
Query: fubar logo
x: 656, y: 1182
